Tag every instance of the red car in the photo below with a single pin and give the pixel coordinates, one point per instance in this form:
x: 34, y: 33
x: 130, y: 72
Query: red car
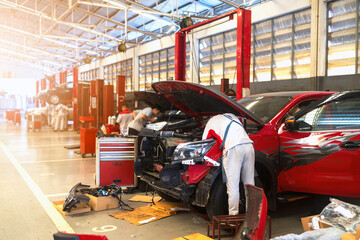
x: 302, y: 158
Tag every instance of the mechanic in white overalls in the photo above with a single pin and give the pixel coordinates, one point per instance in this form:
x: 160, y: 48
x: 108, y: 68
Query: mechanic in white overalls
x: 238, y: 154
x: 50, y: 114
x: 61, y: 118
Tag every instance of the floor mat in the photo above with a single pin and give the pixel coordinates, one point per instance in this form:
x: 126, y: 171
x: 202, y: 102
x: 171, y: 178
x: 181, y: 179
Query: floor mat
x: 145, y: 199
x: 150, y: 213
x: 195, y: 236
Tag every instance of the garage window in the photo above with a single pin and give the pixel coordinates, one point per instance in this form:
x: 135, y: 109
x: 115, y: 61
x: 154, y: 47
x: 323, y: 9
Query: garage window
x: 119, y: 68
x: 343, y: 40
x: 280, y: 50
x: 160, y: 66
x: 92, y: 74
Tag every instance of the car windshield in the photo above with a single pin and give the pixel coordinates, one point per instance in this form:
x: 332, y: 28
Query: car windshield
x: 265, y: 107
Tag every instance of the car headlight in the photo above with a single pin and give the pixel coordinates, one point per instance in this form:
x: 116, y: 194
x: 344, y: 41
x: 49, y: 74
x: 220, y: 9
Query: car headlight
x: 193, y: 151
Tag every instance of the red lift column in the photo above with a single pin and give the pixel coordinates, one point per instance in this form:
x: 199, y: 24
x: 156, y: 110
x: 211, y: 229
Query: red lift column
x: 93, y: 104
x: 75, y: 97
x: 224, y: 85
x: 61, y: 77
x: 243, y: 18
x: 243, y: 53
x: 180, y: 56
x: 120, y: 92
x: 108, y: 104
x: 37, y: 92
x: 97, y: 96
x: 52, y: 83
x: 43, y: 87
x: 100, y: 100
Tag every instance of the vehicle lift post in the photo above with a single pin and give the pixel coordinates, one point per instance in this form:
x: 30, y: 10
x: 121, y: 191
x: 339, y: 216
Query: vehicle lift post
x: 43, y: 87
x: 83, y: 100
x: 93, y: 108
x: 62, y: 76
x: 108, y: 102
x: 243, y: 49
x: 37, y: 92
x: 52, y: 83
x: 224, y: 85
x: 97, y: 95
x: 75, y: 97
x: 120, y: 92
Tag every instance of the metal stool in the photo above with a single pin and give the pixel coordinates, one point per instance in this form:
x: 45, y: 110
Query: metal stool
x: 228, y: 222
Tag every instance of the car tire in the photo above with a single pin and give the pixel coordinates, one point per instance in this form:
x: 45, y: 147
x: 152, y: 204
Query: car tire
x: 218, y: 200
x: 54, y: 99
x: 167, y: 197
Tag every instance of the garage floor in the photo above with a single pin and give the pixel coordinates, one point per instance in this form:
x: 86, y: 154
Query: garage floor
x: 36, y: 169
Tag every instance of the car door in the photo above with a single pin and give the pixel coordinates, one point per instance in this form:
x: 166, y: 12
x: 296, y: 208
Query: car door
x: 322, y: 153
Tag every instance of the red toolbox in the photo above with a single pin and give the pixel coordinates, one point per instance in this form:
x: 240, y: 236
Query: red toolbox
x: 115, y: 157
x: 17, y: 118
x: 112, y: 128
x: 9, y: 115
x: 87, y: 141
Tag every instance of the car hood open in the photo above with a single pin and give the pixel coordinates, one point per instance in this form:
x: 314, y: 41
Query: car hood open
x: 198, y: 101
x: 154, y: 99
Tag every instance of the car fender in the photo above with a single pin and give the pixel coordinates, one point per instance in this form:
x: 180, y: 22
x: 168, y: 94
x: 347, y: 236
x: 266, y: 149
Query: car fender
x: 204, y: 187
x: 262, y: 161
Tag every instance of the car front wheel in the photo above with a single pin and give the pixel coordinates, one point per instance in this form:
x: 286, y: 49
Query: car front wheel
x: 218, y: 200
x: 54, y: 99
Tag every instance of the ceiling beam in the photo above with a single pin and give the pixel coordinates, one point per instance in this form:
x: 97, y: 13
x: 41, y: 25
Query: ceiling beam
x: 38, y: 50
x: 231, y: 3
x: 77, y: 39
x: 45, y: 16
x: 152, y: 34
x: 136, y: 10
x: 30, y: 57
x: 47, y: 39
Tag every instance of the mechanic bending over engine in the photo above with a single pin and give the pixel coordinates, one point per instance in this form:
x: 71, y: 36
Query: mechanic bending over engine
x: 147, y: 114
x: 238, y: 154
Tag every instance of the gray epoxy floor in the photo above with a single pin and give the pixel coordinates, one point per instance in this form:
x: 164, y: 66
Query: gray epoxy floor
x: 55, y: 170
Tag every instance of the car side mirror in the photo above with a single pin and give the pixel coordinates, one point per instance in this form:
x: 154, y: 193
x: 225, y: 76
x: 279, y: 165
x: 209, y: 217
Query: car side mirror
x: 290, y: 124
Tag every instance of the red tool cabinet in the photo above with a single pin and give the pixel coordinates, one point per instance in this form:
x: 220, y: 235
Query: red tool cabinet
x: 9, y: 115
x: 87, y: 141
x: 17, y: 118
x: 115, y: 157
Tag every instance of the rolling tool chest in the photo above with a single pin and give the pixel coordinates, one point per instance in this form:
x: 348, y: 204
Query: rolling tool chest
x: 115, y: 157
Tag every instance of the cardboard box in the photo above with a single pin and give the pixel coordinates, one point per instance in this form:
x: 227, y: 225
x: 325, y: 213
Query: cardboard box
x: 308, y: 225
x: 103, y: 203
x: 352, y: 236
x: 81, y: 208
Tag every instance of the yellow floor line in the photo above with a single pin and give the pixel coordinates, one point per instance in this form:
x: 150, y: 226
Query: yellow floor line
x: 61, y: 224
